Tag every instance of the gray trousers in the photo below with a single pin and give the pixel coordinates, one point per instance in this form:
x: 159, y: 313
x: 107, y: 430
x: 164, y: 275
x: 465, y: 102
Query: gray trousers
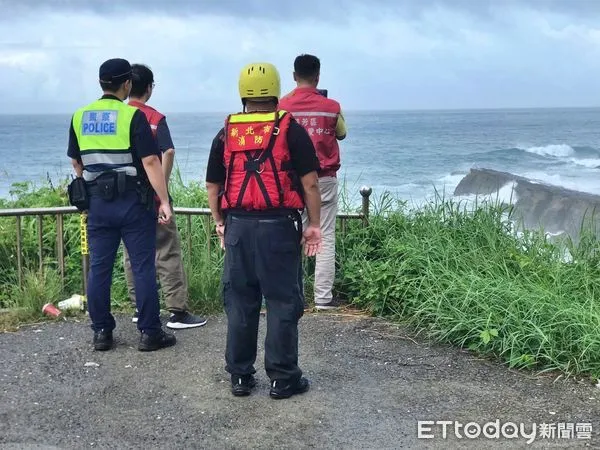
x: 169, y: 268
x: 325, y: 261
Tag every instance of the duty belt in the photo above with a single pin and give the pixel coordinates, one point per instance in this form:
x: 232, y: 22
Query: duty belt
x: 122, y: 184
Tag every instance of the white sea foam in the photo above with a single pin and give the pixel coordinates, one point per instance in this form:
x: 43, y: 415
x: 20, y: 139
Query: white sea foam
x: 574, y: 181
x: 592, y: 163
x: 554, y: 150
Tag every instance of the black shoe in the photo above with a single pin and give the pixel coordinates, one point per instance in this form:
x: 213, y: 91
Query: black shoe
x: 103, y: 340
x: 283, y: 389
x: 151, y: 342
x: 241, y: 385
x: 183, y: 320
x: 334, y: 303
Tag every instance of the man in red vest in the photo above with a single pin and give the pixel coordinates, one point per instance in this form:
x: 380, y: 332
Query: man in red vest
x: 169, y: 265
x: 322, y: 118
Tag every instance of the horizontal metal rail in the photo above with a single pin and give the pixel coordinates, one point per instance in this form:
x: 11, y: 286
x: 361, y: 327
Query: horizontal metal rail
x: 38, y: 211
x: 64, y: 210
x: 61, y: 211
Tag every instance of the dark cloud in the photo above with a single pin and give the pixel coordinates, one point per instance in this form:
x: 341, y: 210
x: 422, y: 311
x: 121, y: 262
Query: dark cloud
x: 288, y: 9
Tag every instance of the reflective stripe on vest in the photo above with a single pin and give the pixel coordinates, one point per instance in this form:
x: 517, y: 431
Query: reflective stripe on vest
x: 103, y: 131
x: 318, y: 115
x: 314, y: 114
x: 257, y: 160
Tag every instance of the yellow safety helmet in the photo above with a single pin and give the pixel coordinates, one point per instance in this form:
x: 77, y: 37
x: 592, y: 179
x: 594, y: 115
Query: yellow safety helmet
x: 259, y: 80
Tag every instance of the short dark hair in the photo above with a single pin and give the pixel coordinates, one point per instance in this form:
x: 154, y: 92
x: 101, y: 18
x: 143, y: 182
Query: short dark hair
x: 112, y: 86
x: 141, y: 79
x: 307, y: 66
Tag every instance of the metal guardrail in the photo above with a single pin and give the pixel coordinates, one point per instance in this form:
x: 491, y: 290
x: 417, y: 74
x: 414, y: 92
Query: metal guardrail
x: 60, y: 212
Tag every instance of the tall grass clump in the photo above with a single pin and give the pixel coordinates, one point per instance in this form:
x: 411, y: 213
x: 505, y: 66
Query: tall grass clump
x: 39, y: 287
x: 464, y: 276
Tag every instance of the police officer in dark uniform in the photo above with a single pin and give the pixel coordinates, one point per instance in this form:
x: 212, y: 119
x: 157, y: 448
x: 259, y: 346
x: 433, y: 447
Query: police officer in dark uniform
x: 115, y: 156
x: 262, y: 170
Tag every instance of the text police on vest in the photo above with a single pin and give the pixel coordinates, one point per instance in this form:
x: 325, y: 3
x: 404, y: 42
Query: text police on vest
x: 99, y: 122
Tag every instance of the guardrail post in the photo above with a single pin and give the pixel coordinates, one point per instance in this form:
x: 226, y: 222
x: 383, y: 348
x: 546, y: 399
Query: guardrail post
x: 208, y: 235
x: 19, y: 252
x: 188, y: 237
x: 85, y: 256
x: 40, y: 221
x: 60, y: 248
x: 365, y: 192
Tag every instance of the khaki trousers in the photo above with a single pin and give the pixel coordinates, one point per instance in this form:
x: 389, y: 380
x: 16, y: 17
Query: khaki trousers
x: 325, y: 261
x: 169, y: 268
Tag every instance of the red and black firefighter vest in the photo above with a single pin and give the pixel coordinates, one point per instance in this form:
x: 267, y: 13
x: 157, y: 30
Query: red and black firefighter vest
x: 260, y: 175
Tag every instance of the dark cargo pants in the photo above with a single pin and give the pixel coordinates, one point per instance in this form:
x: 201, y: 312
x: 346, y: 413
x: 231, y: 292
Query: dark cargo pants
x: 108, y: 222
x: 262, y: 258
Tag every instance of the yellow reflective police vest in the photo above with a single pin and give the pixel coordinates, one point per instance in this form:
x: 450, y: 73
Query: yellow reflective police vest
x: 103, y: 134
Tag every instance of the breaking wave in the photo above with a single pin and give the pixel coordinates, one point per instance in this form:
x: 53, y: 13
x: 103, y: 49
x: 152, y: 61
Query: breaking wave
x: 555, y: 150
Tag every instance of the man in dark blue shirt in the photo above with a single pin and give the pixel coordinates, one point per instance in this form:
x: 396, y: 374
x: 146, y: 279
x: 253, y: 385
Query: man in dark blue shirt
x: 169, y: 263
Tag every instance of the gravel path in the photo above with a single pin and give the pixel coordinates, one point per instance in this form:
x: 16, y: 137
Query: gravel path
x: 371, y: 383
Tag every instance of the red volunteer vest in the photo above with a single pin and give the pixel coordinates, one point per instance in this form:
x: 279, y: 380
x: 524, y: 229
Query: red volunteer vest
x: 153, y: 116
x: 258, y: 165
x: 318, y: 115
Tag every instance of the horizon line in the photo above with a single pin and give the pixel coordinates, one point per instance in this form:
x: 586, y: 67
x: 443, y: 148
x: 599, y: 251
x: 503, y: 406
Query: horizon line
x: 346, y: 111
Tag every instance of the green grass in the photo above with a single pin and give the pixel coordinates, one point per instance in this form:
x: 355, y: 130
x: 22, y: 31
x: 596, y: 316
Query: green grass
x: 457, y: 275
x: 463, y: 277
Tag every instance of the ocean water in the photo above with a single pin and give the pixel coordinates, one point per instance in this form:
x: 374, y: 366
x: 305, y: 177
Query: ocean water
x: 411, y: 154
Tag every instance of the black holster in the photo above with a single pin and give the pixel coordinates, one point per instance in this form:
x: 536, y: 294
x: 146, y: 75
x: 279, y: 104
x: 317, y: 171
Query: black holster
x: 146, y: 195
x: 78, y: 195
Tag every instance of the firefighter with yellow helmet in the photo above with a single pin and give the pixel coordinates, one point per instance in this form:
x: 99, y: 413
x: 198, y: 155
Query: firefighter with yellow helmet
x: 261, y: 173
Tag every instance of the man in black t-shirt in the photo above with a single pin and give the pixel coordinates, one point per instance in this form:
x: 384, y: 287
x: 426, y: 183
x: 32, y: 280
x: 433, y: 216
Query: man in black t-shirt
x: 262, y: 169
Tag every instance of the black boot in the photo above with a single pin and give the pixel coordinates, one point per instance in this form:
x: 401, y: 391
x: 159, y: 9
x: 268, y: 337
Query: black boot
x: 285, y: 389
x: 241, y: 385
x: 103, y: 340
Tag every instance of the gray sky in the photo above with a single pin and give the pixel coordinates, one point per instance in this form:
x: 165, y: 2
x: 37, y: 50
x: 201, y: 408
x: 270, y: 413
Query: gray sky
x: 375, y: 54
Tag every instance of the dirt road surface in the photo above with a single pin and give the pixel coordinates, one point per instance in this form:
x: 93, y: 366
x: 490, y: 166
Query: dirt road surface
x: 371, y: 384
